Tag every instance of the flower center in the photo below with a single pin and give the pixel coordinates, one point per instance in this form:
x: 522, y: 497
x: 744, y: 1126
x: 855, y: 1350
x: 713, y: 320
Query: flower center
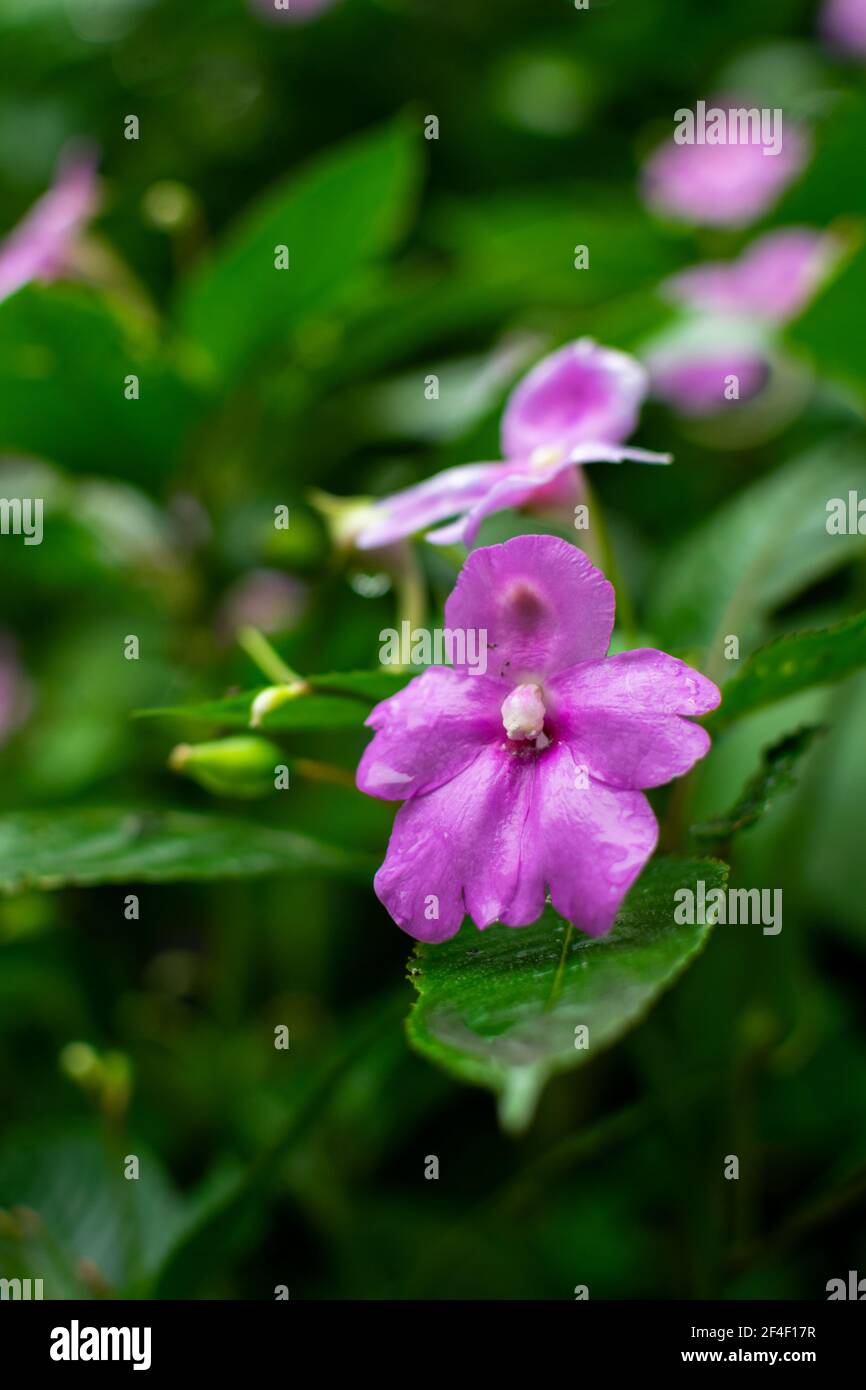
x: 541, y: 458
x: 523, y: 712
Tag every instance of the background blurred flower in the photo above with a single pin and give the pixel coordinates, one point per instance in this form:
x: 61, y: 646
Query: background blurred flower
x: 573, y: 407
x: 695, y: 385
x: 722, y: 185
x: 266, y: 599
x: 773, y: 279
x: 41, y: 246
x: 843, y: 25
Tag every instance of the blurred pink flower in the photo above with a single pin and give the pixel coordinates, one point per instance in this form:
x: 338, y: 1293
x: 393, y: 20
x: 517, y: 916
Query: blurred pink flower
x: 729, y: 184
x: 266, y: 599
x: 573, y: 407
x: 41, y: 246
x: 843, y: 25
x: 773, y: 279
x: 529, y: 778
x: 695, y: 385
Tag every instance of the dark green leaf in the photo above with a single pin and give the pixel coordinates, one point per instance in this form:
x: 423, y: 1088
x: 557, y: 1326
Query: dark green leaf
x: 499, y: 1008
x: 791, y: 664
x: 64, y: 354
x: 334, y: 218
x: 346, y: 708
x: 758, y: 550
x: 49, y: 849
x: 775, y: 775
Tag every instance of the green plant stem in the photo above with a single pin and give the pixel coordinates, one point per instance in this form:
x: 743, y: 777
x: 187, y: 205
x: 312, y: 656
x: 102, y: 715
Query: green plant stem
x: 269, y: 661
x: 608, y: 563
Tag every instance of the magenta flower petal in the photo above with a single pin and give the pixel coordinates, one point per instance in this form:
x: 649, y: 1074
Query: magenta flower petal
x: 773, y: 279
x: 40, y: 246
x: 727, y: 185
x: 588, y: 845
x: 428, y: 732
x: 543, y: 605
x: 843, y: 25
x: 458, y: 849
x: 578, y: 395
x: 437, y: 498
x: 623, y: 717
x: 528, y: 782
x: 695, y: 385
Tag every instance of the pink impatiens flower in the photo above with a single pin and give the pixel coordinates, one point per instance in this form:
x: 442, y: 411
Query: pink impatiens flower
x: 843, y: 25
x: 773, y: 279
x: 575, y: 406
x: 527, y: 779
x: 733, y: 308
x: 42, y: 245
x: 722, y: 185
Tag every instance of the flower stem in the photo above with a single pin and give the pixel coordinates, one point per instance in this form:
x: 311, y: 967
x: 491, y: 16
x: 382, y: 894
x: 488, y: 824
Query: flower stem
x: 269, y: 661
x: 608, y: 561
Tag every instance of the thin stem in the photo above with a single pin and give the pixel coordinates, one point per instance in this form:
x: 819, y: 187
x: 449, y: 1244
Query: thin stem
x: 269, y: 661
x: 608, y: 561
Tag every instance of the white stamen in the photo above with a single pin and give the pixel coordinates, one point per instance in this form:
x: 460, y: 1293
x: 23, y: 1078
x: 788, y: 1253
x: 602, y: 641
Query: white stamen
x: 523, y: 712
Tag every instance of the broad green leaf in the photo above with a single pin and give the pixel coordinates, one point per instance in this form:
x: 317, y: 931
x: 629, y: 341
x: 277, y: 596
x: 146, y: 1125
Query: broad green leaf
x: 790, y: 664
x: 528, y: 242
x: 345, y: 706
x: 831, y: 328
x: 499, y: 1008
x: 85, y: 1210
x: 758, y: 550
x: 835, y: 867
x: 334, y: 218
x: 775, y: 775
x: 64, y: 355
x: 833, y: 183
x: 50, y: 849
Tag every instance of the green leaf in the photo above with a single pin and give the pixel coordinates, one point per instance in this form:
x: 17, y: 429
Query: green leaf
x: 85, y: 1210
x: 64, y: 354
x: 758, y: 550
x: 775, y: 775
x: 46, y: 849
x: 346, y: 708
x: 790, y: 664
x: 334, y: 217
x: 831, y: 328
x: 499, y: 1008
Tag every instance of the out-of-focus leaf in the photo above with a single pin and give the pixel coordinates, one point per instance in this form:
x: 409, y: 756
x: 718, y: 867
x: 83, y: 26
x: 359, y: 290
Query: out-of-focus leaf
x: 79, y: 1207
x: 47, y: 849
x: 334, y: 217
x: 64, y: 357
x: 529, y: 243
x: 835, y: 866
x: 345, y: 706
x: 831, y: 328
x: 776, y: 774
x: 790, y: 664
x: 500, y: 1008
x: 833, y: 182
x: 758, y: 550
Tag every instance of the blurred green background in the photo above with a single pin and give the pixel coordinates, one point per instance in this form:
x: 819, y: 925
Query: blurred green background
x: 154, y: 1036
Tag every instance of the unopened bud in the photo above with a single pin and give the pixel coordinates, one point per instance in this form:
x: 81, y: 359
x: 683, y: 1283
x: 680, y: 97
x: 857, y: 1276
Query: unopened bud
x: 242, y: 766
x: 272, y: 697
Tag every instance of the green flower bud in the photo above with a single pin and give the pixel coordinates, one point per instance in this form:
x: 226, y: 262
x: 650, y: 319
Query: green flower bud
x: 272, y: 697
x: 244, y: 766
